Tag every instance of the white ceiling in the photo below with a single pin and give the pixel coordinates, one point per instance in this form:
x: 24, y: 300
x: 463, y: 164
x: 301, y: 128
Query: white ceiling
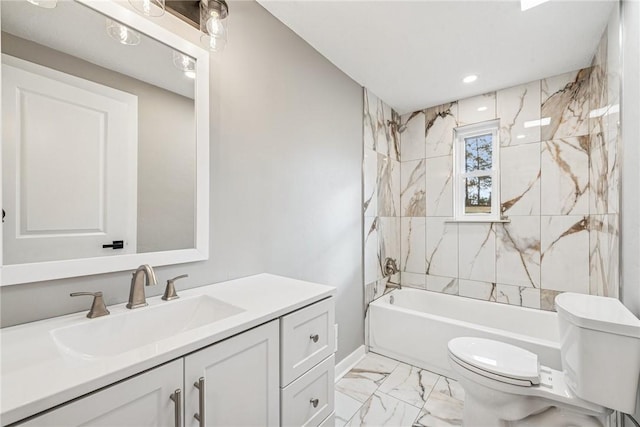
x: 414, y: 54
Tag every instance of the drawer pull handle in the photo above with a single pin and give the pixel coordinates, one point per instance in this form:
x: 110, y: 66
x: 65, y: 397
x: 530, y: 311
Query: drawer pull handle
x: 201, y: 402
x: 314, y: 337
x: 177, y: 400
x: 314, y: 402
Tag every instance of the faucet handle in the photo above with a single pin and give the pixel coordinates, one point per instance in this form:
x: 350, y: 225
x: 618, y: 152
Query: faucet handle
x: 170, y: 290
x: 98, y: 307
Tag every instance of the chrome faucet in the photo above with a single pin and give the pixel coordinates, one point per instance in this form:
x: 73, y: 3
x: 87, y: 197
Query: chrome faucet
x: 138, y: 282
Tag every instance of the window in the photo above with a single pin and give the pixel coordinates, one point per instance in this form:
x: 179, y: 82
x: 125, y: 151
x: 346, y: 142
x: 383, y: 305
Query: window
x: 476, y: 172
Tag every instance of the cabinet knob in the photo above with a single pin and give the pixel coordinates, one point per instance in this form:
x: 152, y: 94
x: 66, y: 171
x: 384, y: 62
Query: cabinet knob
x: 314, y: 402
x: 314, y: 337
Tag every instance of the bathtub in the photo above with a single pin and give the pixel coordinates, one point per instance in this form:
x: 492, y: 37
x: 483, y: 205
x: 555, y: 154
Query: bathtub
x: 417, y: 326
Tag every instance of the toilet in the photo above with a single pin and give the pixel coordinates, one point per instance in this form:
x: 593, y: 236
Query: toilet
x: 600, y: 352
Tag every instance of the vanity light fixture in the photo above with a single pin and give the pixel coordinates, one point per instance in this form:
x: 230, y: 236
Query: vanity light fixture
x: 483, y: 108
x: 47, y: 4
x: 470, y: 78
x: 121, y: 33
x: 185, y: 63
x: 153, y: 8
x: 213, y: 24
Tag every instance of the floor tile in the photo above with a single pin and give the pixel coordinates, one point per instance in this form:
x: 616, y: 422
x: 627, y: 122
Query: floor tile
x: 365, y: 378
x: 383, y: 410
x: 410, y: 384
x: 440, y: 410
x: 345, y: 408
x: 450, y: 388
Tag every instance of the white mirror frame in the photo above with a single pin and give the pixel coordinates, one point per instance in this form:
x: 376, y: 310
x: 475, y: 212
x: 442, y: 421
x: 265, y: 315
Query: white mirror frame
x: 173, y: 32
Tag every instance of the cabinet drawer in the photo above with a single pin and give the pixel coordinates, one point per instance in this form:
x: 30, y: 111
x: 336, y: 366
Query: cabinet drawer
x: 298, y: 397
x: 307, y: 337
x: 330, y: 421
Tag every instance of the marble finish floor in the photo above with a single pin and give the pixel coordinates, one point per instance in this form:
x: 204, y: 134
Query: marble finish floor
x: 380, y: 391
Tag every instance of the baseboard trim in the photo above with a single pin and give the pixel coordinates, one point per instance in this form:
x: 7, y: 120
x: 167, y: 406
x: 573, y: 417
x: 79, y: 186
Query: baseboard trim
x: 349, y: 362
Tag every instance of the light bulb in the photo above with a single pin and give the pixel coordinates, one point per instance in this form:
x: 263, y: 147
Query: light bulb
x: 154, y: 8
x: 215, y: 27
x: 122, y: 33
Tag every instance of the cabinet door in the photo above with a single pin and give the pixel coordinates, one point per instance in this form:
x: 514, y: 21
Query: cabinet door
x: 241, y: 386
x: 144, y: 400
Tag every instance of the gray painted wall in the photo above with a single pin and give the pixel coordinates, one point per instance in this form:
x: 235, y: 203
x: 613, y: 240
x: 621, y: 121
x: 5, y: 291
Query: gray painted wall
x: 286, y: 156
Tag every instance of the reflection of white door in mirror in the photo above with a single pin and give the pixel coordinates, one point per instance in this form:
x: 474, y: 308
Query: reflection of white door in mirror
x: 62, y: 206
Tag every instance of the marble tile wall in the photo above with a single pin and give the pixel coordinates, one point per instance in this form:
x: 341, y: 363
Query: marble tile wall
x: 559, y: 189
x: 384, y: 201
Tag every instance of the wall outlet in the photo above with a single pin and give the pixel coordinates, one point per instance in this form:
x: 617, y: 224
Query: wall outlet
x: 336, y: 334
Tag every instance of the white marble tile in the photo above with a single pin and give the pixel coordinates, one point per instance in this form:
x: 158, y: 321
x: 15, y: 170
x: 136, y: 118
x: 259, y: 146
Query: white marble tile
x: 518, y: 295
x: 477, y: 109
x: 388, y: 242
x: 520, y: 179
x: 565, y: 176
x: 445, y: 285
x: 383, y: 137
x: 383, y: 410
x: 604, y: 255
x: 604, y: 174
x: 412, y: 137
x: 440, y: 411
x: 371, y: 268
x: 441, y: 248
x: 370, y: 182
x: 518, y: 251
x: 388, y: 186
x: 515, y: 106
x: 345, y: 408
x: 479, y: 290
x: 413, y: 280
x: 449, y: 387
x: 565, y: 101
x: 477, y: 252
x: 439, y: 186
x: 565, y: 253
x: 365, y: 378
x: 547, y: 299
x: 410, y: 384
x: 370, y: 120
x: 412, y: 188
x: 412, y: 245
x: 440, y: 121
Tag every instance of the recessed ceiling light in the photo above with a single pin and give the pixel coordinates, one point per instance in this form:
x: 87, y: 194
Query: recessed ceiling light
x: 483, y: 108
x: 520, y: 136
x: 529, y: 4
x: 470, y: 78
x: 545, y: 121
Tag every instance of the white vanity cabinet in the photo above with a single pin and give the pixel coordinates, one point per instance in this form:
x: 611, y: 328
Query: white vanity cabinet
x: 239, y: 379
x: 141, y: 401
x: 280, y: 373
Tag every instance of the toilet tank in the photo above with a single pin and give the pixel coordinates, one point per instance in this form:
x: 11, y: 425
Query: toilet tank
x: 600, y: 349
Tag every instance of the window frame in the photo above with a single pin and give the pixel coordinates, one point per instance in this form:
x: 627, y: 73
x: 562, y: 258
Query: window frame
x: 459, y: 175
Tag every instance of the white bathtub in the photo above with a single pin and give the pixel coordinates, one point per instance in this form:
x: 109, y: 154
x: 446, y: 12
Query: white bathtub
x: 418, y: 325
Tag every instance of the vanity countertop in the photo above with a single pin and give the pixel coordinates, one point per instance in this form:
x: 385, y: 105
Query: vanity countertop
x: 37, y: 374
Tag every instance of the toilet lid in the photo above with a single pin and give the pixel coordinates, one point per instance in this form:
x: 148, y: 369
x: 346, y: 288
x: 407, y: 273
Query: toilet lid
x: 497, y: 358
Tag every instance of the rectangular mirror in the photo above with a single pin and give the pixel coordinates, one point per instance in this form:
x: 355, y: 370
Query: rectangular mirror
x: 104, y: 141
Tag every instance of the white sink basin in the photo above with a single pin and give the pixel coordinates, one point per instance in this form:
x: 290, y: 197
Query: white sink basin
x: 118, y: 333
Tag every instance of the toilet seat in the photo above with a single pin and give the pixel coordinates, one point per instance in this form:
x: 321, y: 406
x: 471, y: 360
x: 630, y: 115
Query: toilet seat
x: 551, y: 383
x: 498, y: 360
